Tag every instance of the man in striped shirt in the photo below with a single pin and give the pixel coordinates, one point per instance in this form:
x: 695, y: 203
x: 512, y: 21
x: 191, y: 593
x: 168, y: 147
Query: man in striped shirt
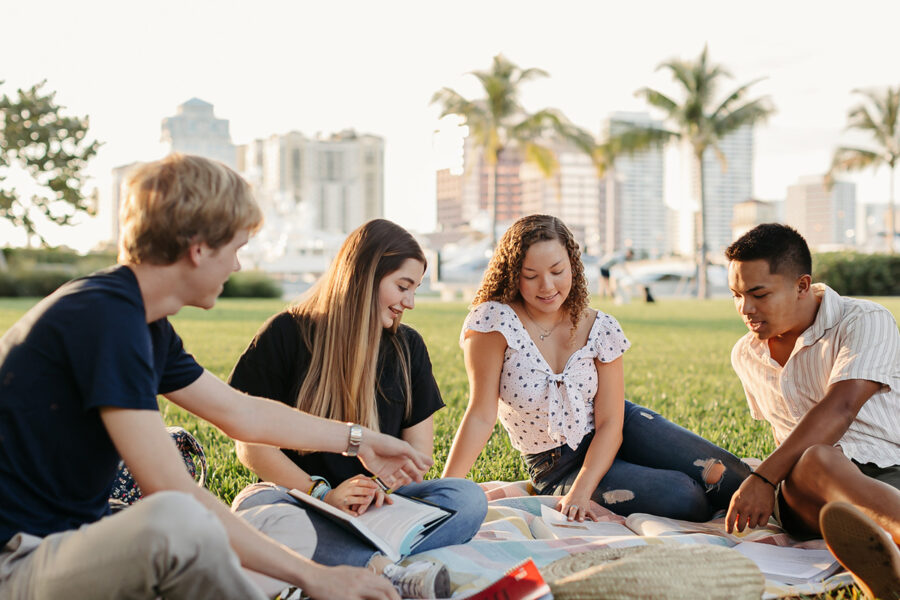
x: 824, y: 371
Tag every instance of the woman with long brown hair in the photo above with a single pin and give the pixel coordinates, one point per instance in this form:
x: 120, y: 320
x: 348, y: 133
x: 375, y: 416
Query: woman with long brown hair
x: 342, y: 353
x: 552, y: 368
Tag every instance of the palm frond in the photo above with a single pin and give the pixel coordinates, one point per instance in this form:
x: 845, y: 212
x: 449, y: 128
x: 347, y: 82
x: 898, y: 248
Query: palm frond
x: 755, y: 111
x: 848, y: 158
x: 638, y: 138
x: 532, y: 73
x: 735, y: 96
x: 541, y: 156
x: 658, y: 100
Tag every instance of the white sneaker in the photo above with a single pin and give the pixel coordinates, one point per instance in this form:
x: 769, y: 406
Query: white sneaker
x: 423, y: 579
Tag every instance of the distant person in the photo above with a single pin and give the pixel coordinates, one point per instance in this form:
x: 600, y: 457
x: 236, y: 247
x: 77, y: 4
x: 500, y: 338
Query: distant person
x: 79, y: 378
x: 342, y: 353
x: 609, y: 287
x: 552, y: 368
x: 824, y: 371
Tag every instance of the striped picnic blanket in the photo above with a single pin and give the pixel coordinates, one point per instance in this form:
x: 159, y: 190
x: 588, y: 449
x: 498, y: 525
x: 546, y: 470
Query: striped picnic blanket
x: 515, y: 529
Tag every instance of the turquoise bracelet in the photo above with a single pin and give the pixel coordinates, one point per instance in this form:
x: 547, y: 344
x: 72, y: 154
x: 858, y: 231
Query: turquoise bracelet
x: 319, y: 488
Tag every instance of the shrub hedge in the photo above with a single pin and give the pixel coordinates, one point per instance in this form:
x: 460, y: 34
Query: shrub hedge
x: 251, y: 284
x: 37, y: 272
x: 856, y: 274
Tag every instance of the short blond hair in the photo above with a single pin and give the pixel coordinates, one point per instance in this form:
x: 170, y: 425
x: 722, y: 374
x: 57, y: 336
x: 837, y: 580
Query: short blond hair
x: 180, y: 200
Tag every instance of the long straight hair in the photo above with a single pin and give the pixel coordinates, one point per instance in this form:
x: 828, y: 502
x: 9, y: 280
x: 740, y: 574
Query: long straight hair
x: 340, y: 323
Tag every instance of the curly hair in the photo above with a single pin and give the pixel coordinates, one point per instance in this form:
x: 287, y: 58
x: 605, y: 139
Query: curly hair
x: 501, y: 279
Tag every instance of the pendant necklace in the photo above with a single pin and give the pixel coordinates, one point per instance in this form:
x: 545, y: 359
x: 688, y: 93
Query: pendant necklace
x: 544, y: 333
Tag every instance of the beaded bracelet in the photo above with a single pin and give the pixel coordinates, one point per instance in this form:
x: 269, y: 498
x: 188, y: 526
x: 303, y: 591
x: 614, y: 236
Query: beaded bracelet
x: 755, y: 474
x: 319, y: 488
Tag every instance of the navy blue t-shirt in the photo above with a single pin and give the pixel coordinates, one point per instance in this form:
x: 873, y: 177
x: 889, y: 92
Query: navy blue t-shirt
x: 85, y: 346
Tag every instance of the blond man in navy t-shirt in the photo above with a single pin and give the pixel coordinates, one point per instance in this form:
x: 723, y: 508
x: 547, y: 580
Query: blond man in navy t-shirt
x: 79, y: 375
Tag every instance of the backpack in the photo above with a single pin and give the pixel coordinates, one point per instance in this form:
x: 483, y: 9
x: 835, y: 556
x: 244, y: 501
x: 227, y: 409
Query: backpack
x: 125, y: 490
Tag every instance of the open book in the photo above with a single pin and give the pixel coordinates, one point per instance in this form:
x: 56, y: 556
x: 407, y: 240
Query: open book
x: 395, y: 529
x: 790, y: 565
x: 786, y: 564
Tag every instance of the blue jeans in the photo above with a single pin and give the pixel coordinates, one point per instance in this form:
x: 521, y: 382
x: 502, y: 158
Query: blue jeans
x: 337, y: 546
x: 659, y: 469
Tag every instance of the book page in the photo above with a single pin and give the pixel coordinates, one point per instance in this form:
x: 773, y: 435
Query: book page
x: 392, y: 528
x: 790, y: 565
x: 395, y: 522
x: 561, y: 527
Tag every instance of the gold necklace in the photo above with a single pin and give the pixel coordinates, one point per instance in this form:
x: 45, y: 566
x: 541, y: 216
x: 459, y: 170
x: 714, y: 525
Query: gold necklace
x: 544, y: 333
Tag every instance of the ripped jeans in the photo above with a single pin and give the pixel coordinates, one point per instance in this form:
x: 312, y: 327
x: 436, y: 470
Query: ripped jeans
x: 660, y: 469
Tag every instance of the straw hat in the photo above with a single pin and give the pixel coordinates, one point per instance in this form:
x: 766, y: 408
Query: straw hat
x: 653, y: 572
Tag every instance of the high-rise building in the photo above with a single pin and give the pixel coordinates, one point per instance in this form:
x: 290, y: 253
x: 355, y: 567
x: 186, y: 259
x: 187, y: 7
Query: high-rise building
x: 329, y: 183
x: 726, y: 186
x: 476, y: 185
x: 194, y: 129
x: 119, y: 175
x: 750, y: 213
x: 571, y: 194
x: 638, y: 216
x: 872, y: 231
x: 449, y: 200
x: 824, y: 215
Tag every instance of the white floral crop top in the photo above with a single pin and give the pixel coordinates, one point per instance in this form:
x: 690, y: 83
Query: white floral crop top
x: 537, y: 412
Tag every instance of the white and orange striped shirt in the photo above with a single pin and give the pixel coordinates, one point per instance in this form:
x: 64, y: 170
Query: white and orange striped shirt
x: 849, y: 339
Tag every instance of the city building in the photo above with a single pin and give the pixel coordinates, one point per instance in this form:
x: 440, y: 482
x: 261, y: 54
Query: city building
x: 194, y: 129
x: 726, y: 186
x: 449, y: 200
x: 872, y: 232
x: 824, y: 215
x: 571, y: 194
x: 476, y: 184
x: 750, y: 213
x: 119, y: 174
x: 328, y: 183
x: 637, y: 217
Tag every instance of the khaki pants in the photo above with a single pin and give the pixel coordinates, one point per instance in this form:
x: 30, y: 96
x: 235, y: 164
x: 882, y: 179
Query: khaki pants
x: 166, y: 545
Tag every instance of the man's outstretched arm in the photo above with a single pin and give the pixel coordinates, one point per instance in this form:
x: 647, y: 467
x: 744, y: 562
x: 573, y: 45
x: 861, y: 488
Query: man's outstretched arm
x: 260, y: 421
x: 825, y: 423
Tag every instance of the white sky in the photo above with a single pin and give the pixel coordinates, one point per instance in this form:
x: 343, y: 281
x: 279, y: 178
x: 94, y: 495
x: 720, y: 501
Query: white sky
x: 275, y: 66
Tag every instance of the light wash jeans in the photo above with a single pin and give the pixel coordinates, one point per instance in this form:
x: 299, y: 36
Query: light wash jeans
x: 167, y: 545
x: 660, y: 469
x: 272, y: 510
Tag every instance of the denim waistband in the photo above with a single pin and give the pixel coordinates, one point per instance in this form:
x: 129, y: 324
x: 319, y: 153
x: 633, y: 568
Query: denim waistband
x: 547, y: 468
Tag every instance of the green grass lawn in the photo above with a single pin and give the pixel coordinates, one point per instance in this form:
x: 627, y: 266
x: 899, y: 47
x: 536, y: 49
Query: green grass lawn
x: 678, y: 365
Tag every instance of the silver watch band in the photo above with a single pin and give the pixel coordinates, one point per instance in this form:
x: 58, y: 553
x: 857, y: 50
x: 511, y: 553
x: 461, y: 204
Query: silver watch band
x: 354, y: 439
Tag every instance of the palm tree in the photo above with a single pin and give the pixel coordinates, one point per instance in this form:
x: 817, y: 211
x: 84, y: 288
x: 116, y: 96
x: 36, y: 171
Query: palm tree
x: 702, y: 123
x: 877, y: 116
x: 498, y: 123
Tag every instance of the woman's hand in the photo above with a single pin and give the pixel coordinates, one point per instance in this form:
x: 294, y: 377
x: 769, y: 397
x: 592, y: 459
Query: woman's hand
x: 355, y: 495
x: 576, y: 507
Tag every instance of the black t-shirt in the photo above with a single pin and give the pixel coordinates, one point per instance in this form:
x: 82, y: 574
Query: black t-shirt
x: 275, y: 364
x: 85, y: 346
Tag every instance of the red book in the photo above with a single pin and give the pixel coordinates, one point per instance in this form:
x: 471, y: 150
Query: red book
x: 522, y: 582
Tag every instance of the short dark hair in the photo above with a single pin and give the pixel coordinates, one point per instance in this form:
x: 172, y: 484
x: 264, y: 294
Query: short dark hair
x: 780, y: 245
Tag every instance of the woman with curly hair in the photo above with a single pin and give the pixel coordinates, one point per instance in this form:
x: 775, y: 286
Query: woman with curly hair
x: 553, y: 369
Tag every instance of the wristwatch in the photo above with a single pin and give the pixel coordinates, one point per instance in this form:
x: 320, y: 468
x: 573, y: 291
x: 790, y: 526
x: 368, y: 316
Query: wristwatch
x: 355, y: 439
